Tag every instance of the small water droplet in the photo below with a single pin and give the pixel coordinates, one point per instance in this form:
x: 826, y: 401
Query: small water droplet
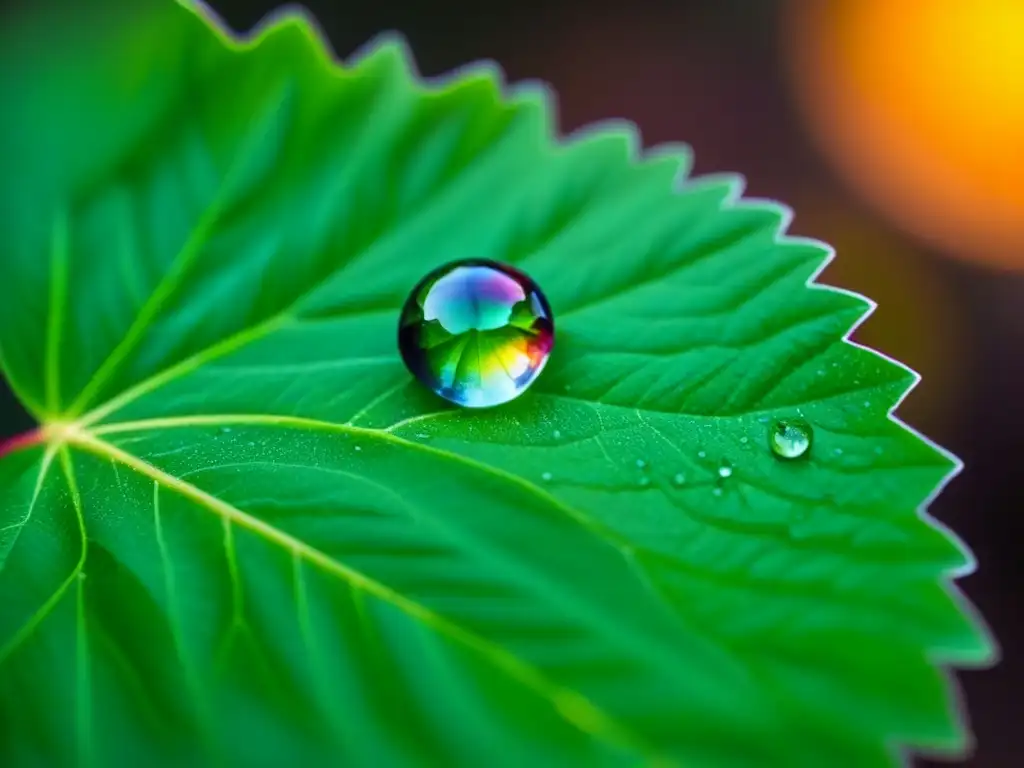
x: 744, y: 439
x: 679, y: 478
x: 838, y: 451
x: 359, y: 447
x: 645, y: 481
x: 640, y: 463
x: 225, y: 430
x: 763, y: 419
x: 790, y: 438
x: 725, y: 470
x: 878, y: 450
x: 717, y: 491
x: 422, y: 435
x: 546, y: 477
x: 821, y: 371
x: 557, y: 434
x: 701, y: 454
x: 251, y: 443
x: 867, y: 403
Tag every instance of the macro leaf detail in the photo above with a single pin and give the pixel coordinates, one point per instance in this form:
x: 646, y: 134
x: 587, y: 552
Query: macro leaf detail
x: 244, y: 534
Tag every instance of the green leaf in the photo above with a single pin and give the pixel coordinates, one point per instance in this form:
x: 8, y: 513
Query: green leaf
x: 244, y: 534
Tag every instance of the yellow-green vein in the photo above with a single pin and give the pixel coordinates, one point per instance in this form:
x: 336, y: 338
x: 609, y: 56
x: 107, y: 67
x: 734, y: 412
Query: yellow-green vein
x: 570, y: 704
x: 26, y: 630
x: 83, y: 673
x: 197, y: 694
x: 56, y: 310
x: 298, y: 422
x: 182, y: 261
x: 314, y: 656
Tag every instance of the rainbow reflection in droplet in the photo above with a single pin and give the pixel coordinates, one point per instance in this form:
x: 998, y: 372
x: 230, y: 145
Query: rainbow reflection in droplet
x: 476, y: 332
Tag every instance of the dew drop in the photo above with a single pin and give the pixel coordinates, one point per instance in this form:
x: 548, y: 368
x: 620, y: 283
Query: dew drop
x: 679, y: 478
x: 744, y: 439
x: 422, y: 435
x: 645, y: 481
x: 225, y: 430
x: 701, y: 454
x: 640, y: 463
x: 878, y: 450
x: 359, y: 447
x: 867, y: 403
x: 790, y: 438
x: 546, y: 477
x: 717, y: 491
x: 838, y: 451
x: 725, y: 470
x: 476, y: 332
x: 557, y: 434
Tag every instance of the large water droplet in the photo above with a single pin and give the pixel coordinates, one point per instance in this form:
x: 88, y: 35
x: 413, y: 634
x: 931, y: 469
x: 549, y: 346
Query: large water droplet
x: 790, y: 438
x: 476, y: 332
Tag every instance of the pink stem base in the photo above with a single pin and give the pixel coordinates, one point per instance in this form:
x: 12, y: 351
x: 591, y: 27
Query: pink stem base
x: 18, y: 442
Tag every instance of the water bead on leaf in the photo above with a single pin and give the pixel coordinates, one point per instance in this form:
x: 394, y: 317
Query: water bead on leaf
x: 476, y: 332
x: 790, y: 438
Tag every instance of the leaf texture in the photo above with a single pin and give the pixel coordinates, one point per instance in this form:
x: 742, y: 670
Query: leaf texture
x: 247, y: 536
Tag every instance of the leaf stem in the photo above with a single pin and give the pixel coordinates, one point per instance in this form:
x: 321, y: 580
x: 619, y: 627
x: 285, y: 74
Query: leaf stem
x: 22, y: 441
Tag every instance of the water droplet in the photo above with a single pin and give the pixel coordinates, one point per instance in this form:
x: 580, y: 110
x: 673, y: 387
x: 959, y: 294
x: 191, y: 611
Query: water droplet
x: 790, y: 438
x: 821, y: 371
x: 251, y: 443
x: 838, y: 451
x: 744, y: 439
x: 640, y: 463
x: 476, y: 332
x: 717, y: 491
x: 878, y: 450
x: 422, y: 435
x: 645, y: 481
x: 546, y: 477
x: 557, y: 434
x: 763, y: 419
x: 725, y: 470
x: 867, y: 403
x: 359, y: 447
x: 225, y: 430
x: 701, y: 454
x: 679, y: 478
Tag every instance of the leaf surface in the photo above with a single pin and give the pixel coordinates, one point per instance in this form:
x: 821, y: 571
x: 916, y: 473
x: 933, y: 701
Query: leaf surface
x: 247, y: 535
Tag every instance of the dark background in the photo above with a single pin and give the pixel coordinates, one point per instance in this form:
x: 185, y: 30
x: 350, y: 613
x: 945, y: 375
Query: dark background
x: 724, y: 76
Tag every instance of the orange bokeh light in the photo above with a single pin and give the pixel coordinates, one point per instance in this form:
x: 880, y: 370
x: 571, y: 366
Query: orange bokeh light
x: 920, y: 104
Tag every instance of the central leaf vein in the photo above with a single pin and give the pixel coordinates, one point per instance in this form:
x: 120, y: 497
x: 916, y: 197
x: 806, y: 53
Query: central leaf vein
x: 570, y: 704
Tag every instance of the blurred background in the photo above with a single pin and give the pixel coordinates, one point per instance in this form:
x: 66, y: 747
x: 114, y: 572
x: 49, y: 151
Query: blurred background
x: 894, y: 128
